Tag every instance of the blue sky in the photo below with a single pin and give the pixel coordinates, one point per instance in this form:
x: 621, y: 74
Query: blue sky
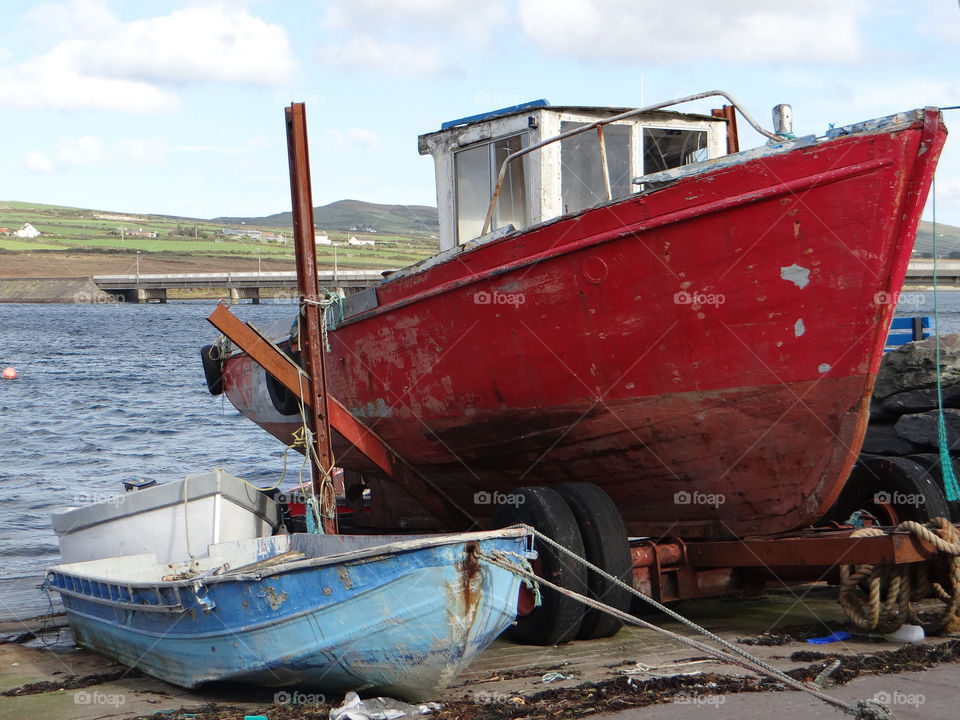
x: 177, y: 107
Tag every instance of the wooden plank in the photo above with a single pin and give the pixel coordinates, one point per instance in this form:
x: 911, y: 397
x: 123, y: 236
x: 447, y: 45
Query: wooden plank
x: 363, y: 438
x: 311, y: 318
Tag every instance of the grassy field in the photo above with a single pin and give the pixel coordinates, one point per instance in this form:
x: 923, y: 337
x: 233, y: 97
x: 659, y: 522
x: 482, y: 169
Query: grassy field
x: 72, y: 229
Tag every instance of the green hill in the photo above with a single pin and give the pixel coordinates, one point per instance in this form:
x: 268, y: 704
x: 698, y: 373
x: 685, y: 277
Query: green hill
x: 948, y: 241
x: 356, y: 216
x: 403, y: 234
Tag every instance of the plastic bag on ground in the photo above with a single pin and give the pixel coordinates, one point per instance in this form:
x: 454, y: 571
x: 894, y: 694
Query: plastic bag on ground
x: 379, y: 708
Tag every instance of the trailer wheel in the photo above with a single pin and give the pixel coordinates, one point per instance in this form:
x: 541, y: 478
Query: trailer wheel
x: 931, y: 463
x: 559, y: 617
x: 893, y: 489
x: 606, y: 545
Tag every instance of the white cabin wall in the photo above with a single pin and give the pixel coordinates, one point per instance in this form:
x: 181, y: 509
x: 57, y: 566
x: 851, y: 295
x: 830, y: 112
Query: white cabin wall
x: 549, y: 196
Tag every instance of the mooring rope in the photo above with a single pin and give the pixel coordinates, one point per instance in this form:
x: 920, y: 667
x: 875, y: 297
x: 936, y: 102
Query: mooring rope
x: 878, y: 598
x: 950, y: 485
x: 730, y: 654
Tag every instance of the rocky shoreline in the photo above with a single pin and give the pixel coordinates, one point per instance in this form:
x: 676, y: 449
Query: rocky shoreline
x: 903, y: 409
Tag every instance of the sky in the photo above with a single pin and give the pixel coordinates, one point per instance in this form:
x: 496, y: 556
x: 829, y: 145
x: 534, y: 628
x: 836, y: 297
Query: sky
x: 177, y: 107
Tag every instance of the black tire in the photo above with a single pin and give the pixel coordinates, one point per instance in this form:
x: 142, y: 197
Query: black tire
x: 212, y: 368
x: 285, y: 401
x: 909, y: 489
x: 606, y: 545
x: 931, y: 463
x: 559, y: 617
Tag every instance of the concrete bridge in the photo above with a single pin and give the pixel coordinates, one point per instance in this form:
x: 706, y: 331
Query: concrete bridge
x: 247, y: 285
x: 920, y: 272
x: 240, y: 285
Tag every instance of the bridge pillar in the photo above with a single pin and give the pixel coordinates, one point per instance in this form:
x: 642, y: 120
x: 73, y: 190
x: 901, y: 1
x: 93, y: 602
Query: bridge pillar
x: 146, y: 295
x: 245, y: 293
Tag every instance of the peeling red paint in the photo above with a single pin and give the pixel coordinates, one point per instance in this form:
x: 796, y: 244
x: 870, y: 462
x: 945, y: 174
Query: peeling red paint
x: 606, y: 377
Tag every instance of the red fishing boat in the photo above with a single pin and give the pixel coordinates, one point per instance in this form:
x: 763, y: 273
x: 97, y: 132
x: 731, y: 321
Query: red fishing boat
x: 623, y: 299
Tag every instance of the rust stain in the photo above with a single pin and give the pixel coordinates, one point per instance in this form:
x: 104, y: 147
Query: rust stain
x: 345, y: 579
x: 275, y: 599
x: 469, y: 576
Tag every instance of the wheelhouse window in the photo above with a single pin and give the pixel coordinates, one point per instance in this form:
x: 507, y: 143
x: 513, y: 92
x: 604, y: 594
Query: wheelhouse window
x: 581, y: 169
x: 669, y: 148
x: 476, y: 169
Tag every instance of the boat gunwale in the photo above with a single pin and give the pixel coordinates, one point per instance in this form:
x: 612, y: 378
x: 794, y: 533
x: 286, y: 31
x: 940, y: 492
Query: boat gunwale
x: 393, y: 548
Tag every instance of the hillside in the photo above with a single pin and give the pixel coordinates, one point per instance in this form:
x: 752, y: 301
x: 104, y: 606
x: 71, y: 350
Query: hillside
x: 948, y: 241
x: 354, y: 216
x: 402, y: 235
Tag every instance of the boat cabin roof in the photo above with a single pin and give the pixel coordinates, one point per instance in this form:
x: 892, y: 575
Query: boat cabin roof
x: 560, y: 162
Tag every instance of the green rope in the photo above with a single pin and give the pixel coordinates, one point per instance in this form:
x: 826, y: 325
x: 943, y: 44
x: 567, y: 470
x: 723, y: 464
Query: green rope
x: 950, y: 485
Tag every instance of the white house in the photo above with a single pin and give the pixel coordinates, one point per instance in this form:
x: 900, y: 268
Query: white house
x: 28, y: 231
x: 321, y: 238
x: 354, y: 241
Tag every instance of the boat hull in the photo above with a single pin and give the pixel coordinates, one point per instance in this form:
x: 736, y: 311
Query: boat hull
x: 398, y: 619
x: 704, y: 352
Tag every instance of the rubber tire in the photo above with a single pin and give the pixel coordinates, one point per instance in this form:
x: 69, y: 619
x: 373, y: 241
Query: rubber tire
x: 559, y: 617
x: 876, y: 473
x: 212, y: 368
x: 931, y: 463
x: 606, y: 545
x: 284, y: 401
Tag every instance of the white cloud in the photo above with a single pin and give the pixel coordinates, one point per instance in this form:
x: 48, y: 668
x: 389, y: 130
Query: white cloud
x: 140, y: 150
x: 747, y: 31
x: 364, y: 138
x: 416, y: 38
x: 101, y: 62
x: 365, y: 53
x: 38, y: 162
x: 86, y: 150
x: 351, y: 138
x: 894, y: 94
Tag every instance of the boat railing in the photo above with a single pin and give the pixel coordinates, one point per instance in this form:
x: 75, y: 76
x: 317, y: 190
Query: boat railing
x: 598, y: 126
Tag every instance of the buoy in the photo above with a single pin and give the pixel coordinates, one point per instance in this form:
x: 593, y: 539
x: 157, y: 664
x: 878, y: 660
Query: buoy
x: 9, y: 373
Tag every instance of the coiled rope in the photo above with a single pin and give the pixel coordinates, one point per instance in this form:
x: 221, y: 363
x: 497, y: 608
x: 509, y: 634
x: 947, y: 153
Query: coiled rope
x: 730, y: 654
x: 879, y: 598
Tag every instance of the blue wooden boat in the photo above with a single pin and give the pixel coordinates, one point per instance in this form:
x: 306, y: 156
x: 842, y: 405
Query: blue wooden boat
x: 395, y: 615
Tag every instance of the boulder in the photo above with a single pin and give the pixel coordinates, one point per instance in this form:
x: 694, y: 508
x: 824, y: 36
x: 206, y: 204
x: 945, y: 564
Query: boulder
x: 917, y: 401
x: 913, y: 366
x: 882, y: 439
x: 921, y: 428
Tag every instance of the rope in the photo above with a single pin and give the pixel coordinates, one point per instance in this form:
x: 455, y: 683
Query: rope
x: 730, y: 654
x: 186, y: 516
x: 531, y: 585
x: 329, y: 299
x: 877, y: 598
x: 950, y: 485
